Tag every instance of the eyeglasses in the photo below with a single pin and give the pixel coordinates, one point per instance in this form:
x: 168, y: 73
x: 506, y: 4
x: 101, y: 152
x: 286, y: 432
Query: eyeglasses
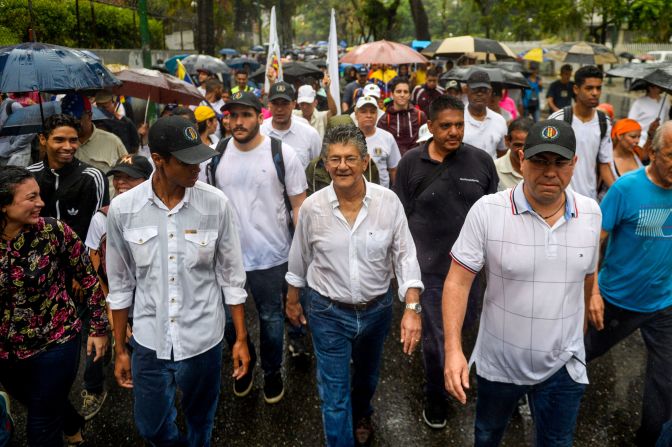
x: 542, y: 163
x: 335, y: 162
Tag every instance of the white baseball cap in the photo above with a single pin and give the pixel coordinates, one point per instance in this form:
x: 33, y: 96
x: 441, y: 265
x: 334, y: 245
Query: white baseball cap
x: 423, y: 134
x: 371, y: 90
x: 306, y: 94
x: 364, y: 100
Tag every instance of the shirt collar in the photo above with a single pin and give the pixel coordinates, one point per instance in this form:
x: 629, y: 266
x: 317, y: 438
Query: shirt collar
x: 93, y: 135
x: 333, y: 199
x: 507, y: 167
x: 520, y: 205
x: 151, y: 196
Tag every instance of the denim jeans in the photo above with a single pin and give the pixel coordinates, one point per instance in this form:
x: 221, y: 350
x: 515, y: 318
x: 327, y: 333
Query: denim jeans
x: 155, y: 383
x: 656, y: 330
x: 554, y: 404
x: 266, y: 288
x: 340, y: 335
x: 42, y: 384
x: 94, y: 372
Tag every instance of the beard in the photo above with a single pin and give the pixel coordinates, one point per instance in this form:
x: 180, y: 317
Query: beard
x: 252, y: 133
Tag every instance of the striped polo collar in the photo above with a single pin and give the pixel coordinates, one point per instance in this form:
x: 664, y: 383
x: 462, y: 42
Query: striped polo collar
x: 520, y: 205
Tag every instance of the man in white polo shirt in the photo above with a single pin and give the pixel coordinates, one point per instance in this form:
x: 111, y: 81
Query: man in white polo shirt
x: 291, y: 130
x: 483, y: 128
x: 380, y: 143
x: 538, y: 243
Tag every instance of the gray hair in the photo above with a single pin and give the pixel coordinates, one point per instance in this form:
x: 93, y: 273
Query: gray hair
x: 344, y: 134
x: 658, y: 143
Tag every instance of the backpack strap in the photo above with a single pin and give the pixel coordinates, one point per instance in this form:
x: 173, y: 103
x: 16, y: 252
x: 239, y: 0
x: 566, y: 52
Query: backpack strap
x: 211, y: 168
x: 602, y: 118
x: 279, y: 163
x: 567, y: 114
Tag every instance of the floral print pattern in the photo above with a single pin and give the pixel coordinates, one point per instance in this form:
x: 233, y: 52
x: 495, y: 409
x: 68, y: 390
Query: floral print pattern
x: 36, y: 309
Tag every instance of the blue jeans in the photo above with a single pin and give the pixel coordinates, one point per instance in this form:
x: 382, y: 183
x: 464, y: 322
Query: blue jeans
x: 266, y: 288
x: 155, y: 382
x: 554, y: 404
x: 42, y: 384
x: 340, y: 335
x: 656, y: 330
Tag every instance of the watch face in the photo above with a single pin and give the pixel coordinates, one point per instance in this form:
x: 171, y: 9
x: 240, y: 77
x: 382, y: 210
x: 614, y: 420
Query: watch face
x: 415, y: 307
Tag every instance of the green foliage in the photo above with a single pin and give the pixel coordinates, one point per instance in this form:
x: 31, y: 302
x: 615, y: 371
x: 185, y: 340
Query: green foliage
x: 56, y: 23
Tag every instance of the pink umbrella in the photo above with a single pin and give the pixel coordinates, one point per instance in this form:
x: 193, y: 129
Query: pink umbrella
x: 383, y: 52
x: 156, y: 86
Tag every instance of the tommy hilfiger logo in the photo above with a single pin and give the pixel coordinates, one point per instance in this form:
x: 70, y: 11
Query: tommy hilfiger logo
x: 73, y: 211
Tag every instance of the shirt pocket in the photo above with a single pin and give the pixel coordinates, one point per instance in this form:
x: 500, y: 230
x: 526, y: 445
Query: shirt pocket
x: 143, y: 244
x: 377, y: 244
x: 200, y: 248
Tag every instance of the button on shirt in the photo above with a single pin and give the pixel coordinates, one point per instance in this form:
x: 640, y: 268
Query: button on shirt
x: 173, y: 266
x: 353, y: 264
x: 532, y: 319
x: 305, y: 140
x: 487, y: 135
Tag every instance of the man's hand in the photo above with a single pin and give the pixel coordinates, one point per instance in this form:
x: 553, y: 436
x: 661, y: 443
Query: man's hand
x: 326, y: 81
x: 99, y: 344
x: 122, y: 368
x: 596, y: 311
x: 411, y: 331
x: 241, y: 358
x: 293, y: 308
x: 456, y: 375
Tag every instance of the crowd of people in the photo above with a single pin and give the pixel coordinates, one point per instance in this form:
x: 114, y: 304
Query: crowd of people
x: 549, y: 240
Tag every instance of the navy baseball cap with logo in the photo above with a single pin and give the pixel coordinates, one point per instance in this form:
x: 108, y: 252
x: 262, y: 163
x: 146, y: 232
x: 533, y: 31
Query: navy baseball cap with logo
x: 247, y: 99
x: 363, y: 70
x: 551, y: 136
x: 177, y: 136
x: 281, y: 90
x: 479, y: 79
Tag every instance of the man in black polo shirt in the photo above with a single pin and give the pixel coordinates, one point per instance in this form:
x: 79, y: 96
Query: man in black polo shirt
x: 437, y: 183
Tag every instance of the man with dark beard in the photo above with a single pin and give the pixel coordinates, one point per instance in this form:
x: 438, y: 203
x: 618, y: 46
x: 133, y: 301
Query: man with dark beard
x: 247, y: 173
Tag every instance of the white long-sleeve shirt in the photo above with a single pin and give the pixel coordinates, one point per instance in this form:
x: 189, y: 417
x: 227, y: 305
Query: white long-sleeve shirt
x: 353, y: 264
x: 173, y: 266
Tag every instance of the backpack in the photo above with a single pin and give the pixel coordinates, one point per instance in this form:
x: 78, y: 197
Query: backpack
x: 568, y: 115
x: 102, y: 251
x: 278, y: 162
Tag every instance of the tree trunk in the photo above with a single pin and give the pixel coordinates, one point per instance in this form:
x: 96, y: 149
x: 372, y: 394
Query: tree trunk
x: 420, y: 20
x: 206, y: 27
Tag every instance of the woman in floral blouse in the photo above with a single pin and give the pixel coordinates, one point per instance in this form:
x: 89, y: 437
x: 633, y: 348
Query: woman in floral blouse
x: 39, y: 327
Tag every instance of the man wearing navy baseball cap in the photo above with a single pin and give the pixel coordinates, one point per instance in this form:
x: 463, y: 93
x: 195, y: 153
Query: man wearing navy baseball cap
x: 172, y: 252
x: 541, y: 241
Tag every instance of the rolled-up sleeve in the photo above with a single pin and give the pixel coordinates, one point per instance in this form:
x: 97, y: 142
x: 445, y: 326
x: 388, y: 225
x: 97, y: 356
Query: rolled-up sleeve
x: 404, y: 256
x: 230, y: 270
x: 299, y: 253
x: 120, y: 264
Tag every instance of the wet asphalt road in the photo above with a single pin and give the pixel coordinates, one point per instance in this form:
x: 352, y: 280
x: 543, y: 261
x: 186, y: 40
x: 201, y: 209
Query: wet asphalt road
x: 609, y: 412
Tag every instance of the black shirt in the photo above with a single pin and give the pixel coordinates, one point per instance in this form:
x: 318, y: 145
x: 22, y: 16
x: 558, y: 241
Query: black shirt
x: 562, y: 94
x: 439, y: 211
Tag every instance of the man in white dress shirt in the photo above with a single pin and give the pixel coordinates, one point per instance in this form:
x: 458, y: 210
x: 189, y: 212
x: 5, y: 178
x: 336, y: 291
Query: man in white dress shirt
x: 172, y: 253
x: 352, y: 237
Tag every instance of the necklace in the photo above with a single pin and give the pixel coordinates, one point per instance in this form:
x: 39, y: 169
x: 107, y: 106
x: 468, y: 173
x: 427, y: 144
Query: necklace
x: 554, y: 212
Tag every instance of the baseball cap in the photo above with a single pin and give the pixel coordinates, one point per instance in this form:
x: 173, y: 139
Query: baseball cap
x: 364, y: 100
x: 203, y: 113
x: 306, y: 94
x: 247, y: 99
x: 424, y: 134
x: 453, y: 84
x: 103, y: 97
x: 281, y: 90
x: 177, y: 136
x: 551, y: 136
x: 479, y: 79
x: 75, y: 104
x: 363, y: 70
x: 135, y: 166
x: 371, y: 90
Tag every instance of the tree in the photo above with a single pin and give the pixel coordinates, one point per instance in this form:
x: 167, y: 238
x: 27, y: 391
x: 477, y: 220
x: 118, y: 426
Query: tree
x: 653, y: 18
x: 420, y: 20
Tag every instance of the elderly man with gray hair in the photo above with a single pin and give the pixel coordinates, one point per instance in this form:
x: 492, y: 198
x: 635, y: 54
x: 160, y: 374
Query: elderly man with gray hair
x: 352, y: 236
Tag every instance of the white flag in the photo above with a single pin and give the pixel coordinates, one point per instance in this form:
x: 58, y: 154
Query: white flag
x: 273, y: 50
x: 332, y: 63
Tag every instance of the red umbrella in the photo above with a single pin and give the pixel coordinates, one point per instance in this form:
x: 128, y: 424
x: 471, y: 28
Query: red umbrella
x: 383, y: 52
x: 156, y: 86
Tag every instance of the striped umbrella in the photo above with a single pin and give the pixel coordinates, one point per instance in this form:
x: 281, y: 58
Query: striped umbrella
x: 535, y: 55
x: 457, y: 46
x: 584, y: 53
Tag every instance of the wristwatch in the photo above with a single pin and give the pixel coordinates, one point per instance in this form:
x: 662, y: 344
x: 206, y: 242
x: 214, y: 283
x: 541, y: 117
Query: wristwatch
x: 415, y: 307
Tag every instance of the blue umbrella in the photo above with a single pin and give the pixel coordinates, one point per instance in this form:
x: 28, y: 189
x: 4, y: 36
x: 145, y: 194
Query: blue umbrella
x: 28, y: 120
x: 42, y: 67
x: 228, y: 52
x: 239, y: 63
x: 257, y: 49
x: 171, y: 63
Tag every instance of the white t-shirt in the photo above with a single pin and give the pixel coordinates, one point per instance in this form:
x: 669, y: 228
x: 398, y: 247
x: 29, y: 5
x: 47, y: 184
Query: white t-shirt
x: 250, y: 181
x: 589, y: 149
x: 300, y: 136
x: 487, y: 134
x: 645, y: 110
x: 97, y: 228
x: 385, y: 153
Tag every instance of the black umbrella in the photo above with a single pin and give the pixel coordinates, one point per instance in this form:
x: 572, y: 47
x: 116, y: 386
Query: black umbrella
x: 430, y: 49
x: 636, y: 70
x: 292, y: 72
x: 499, y: 77
x: 28, y: 119
x: 197, y: 62
x: 240, y: 62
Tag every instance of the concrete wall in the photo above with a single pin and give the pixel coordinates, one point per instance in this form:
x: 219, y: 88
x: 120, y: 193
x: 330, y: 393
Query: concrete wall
x: 133, y: 58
